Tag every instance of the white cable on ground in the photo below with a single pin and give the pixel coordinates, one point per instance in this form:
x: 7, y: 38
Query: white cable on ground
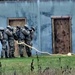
x: 34, y: 48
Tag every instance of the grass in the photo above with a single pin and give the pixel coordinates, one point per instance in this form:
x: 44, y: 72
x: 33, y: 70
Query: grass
x: 23, y: 65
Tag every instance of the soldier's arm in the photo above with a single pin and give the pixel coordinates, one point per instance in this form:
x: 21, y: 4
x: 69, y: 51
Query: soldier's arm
x: 8, y: 32
x: 15, y: 34
x: 1, y: 36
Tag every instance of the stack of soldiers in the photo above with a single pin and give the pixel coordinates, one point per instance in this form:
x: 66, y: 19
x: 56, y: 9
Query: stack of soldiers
x: 20, y: 34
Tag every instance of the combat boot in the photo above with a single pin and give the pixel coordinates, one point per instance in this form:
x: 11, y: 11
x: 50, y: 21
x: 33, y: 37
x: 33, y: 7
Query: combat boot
x: 21, y: 55
x: 6, y: 56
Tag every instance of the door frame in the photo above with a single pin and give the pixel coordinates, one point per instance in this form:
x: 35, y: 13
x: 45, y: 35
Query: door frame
x: 15, y: 18
x: 52, y: 23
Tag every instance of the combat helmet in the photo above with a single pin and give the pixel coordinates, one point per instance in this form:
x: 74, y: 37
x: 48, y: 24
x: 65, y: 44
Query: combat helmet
x: 26, y: 26
x: 33, y: 28
x: 9, y: 27
x: 1, y: 29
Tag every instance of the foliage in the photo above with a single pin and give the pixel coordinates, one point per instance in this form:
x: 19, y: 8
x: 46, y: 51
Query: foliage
x: 38, y: 65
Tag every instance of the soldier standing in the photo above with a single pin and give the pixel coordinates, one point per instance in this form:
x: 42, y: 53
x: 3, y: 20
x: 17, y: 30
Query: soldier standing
x: 26, y: 31
x: 9, y: 32
x: 20, y: 38
x: 3, y: 39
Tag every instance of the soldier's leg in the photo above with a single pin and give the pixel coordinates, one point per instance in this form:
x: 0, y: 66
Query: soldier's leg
x: 2, y: 54
x: 6, y: 56
x: 11, y: 52
x: 21, y: 48
x: 28, y: 50
x: 6, y: 53
x: 4, y: 49
x: 11, y: 48
x: 9, y: 41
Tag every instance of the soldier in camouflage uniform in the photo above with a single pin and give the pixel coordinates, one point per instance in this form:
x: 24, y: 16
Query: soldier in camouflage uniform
x: 27, y: 38
x: 3, y: 39
x: 26, y: 33
x: 9, y: 32
x: 20, y: 38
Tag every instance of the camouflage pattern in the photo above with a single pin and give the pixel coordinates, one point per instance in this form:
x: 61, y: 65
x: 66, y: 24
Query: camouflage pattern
x: 21, y: 49
x: 28, y: 34
x: 21, y: 34
x: 20, y: 38
x: 3, y: 39
x: 9, y: 32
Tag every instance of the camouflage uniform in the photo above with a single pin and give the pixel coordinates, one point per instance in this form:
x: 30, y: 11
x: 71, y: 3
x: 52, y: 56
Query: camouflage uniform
x: 20, y: 38
x: 9, y: 32
x: 3, y: 39
x: 27, y: 39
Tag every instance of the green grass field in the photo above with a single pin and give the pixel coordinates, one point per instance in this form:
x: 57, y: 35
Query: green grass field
x: 23, y: 65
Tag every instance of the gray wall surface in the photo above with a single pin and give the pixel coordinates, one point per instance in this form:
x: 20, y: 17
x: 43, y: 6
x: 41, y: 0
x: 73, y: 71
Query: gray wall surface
x: 38, y: 14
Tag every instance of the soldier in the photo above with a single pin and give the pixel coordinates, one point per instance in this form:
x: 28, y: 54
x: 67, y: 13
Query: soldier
x: 26, y: 33
x: 9, y: 32
x: 20, y: 38
x: 28, y: 38
x: 3, y: 39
